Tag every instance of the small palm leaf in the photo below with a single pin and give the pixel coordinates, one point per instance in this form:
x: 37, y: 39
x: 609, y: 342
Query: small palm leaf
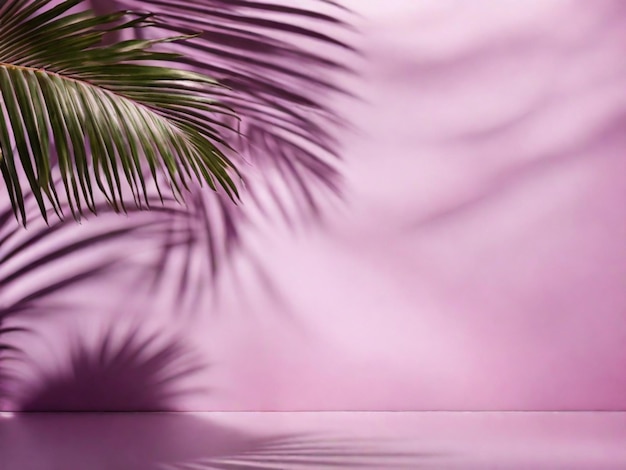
x: 105, y: 112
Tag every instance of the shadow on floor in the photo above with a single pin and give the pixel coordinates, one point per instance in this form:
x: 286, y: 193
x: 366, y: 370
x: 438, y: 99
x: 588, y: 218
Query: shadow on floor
x: 177, y: 441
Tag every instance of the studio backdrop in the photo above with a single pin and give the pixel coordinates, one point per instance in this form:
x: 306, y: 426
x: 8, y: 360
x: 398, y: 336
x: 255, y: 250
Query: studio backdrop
x: 431, y: 218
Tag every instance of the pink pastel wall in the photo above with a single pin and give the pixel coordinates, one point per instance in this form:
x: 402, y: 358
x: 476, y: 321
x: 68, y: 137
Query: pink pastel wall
x: 478, y: 260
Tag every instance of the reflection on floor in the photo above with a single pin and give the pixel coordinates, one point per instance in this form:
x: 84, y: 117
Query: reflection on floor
x: 283, y: 441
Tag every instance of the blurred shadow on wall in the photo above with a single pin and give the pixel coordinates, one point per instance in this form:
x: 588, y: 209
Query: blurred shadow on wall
x: 138, y: 372
x: 610, y: 136
x: 284, y: 65
x: 576, y: 109
x: 124, y: 372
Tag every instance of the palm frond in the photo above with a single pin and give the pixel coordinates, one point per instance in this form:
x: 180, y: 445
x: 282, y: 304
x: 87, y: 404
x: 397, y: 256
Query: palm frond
x: 105, y: 111
x: 282, y: 65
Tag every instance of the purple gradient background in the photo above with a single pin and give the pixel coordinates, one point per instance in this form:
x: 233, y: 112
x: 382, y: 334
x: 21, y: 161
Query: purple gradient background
x: 479, y: 262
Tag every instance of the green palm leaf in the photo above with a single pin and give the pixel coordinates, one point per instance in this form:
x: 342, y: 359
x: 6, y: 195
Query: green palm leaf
x: 284, y: 63
x: 108, y: 115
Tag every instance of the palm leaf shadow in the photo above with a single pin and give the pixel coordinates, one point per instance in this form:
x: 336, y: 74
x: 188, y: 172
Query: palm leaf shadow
x: 112, y: 441
x: 134, y: 372
x: 45, y: 261
x: 519, y: 174
x: 16, y: 266
x: 296, y: 452
x: 287, y: 123
x: 186, y: 441
x: 281, y: 64
x: 8, y: 354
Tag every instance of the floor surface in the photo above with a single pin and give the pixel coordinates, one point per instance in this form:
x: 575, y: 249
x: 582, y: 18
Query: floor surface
x: 303, y: 440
